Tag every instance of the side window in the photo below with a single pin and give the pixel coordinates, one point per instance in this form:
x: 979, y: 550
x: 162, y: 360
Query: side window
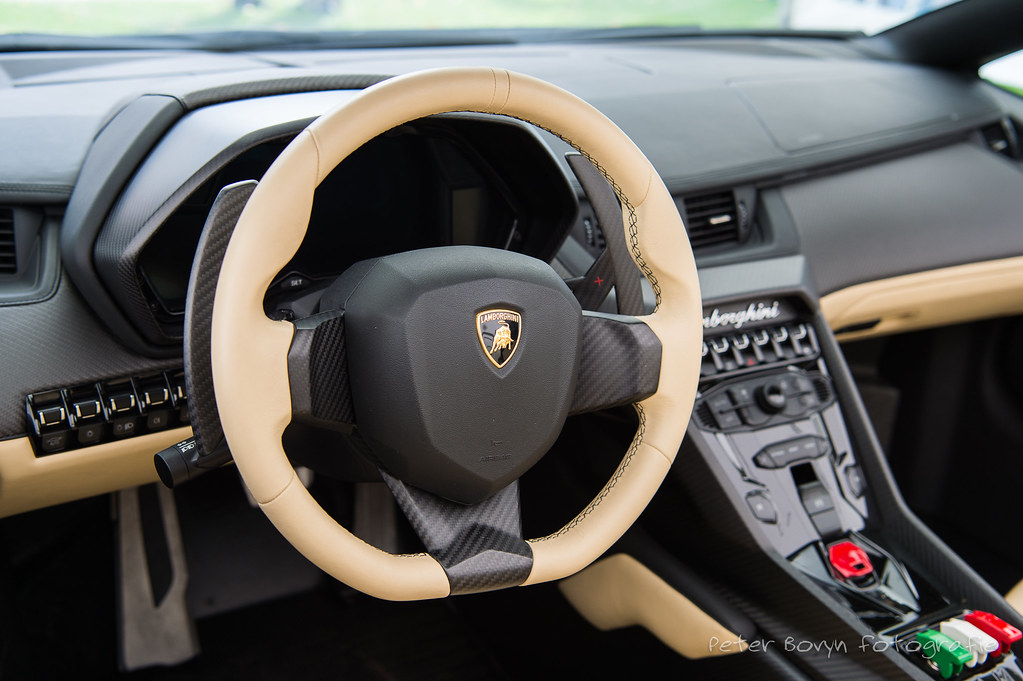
x: 1006, y: 73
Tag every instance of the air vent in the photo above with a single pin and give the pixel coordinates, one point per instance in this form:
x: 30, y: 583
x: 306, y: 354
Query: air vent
x: 1001, y: 138
x: 713, y: 219
x: 8, y: 251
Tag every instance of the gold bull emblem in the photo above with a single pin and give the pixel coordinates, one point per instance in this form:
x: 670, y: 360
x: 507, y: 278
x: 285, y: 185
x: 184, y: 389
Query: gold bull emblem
x: 502, y: 338
x: 498, y: 332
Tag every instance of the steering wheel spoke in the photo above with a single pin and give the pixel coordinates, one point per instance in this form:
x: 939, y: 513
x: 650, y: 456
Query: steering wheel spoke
x: 619, y: 362
x: 318, y: 372
x: 480, y: 546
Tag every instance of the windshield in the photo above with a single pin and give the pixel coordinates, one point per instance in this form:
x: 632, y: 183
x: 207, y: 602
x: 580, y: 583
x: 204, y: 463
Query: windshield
x: 161, y: 17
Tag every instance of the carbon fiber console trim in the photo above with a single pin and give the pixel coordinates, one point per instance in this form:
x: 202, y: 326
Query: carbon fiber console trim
x: 480, y: 547
x: 202, y: 287
x: 56, y: 343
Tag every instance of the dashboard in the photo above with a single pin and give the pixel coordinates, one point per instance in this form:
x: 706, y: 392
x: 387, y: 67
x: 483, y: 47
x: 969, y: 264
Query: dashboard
x: 779, y: 153
x: 829, y: 194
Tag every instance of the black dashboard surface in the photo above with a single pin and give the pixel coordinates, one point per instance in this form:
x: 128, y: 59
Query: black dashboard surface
x: 868, y: 168
x: 703, y: 110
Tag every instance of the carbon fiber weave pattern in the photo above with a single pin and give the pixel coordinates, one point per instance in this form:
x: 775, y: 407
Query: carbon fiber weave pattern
x: 628, y: 294
x: 593, y: 287
x: 480, y: 547
x: 202, y: 287
x: 307, y: 82
x: 619, y: 363
x: 57, y: 343
x: 136, y: 217
x: 328, y: 369
x: 318, y: 369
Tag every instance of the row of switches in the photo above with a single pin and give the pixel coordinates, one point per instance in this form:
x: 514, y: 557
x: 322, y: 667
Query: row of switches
x: 85, y: 415
x: 783, y: 343
x: 966, y: 642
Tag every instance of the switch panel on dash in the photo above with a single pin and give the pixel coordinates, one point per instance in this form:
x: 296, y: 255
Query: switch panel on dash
x: 86, y: 415
x: 760, y: 348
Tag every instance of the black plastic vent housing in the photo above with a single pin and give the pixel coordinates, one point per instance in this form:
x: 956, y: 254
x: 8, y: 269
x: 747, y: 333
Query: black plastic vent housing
x: 713, y: 219
x: 1002, y: 138
x: 8, y: 246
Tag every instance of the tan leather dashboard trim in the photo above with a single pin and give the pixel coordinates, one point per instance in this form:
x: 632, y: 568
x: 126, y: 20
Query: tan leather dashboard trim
x: 921, y: 300
x: 28, y: 482
x: 619, y: 591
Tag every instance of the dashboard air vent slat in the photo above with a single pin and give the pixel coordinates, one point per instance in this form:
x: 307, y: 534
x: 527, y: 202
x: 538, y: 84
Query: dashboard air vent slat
x: 8, y: 248
x: 712, y: 219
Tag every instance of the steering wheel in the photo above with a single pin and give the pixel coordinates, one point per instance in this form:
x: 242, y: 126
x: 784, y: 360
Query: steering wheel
x: 458, y: 366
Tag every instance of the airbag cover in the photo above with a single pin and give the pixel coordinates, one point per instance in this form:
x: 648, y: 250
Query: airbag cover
x: 436, y: 410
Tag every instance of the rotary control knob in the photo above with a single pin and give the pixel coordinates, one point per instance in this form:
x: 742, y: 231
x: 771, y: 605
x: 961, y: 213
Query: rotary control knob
x: 771, y: 396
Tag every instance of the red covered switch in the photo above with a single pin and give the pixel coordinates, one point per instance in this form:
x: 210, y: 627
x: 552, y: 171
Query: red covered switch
x: 996, y: 628
x: 849, y: 560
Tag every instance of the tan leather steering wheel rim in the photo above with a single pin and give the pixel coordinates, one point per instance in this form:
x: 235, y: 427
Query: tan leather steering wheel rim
x: 249, y: 351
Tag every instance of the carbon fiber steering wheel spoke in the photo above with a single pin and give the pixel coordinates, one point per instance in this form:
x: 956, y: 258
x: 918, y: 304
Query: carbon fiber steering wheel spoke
x: 480, y: 546
x: 619, y: 362
x: 318, y: 372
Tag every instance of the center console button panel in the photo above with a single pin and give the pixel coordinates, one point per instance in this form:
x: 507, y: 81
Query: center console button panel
x: 764, y: 399
x: 766, y: 406
x: 781, y: 454
x: 774, y: 438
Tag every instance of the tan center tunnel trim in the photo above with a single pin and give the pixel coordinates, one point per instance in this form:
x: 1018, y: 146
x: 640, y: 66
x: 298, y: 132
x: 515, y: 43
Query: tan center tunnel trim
x: 927, y: 299
x: 619, y: 591
x: 1015, y: 597
x: 28, y: 482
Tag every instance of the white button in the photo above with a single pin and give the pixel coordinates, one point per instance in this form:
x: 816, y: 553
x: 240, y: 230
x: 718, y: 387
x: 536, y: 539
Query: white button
x: 971, y: 638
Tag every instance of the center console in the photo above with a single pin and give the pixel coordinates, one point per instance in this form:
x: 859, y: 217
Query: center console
x: 779, y: 432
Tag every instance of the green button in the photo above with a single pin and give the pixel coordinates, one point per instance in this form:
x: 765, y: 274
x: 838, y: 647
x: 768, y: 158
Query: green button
x: 947, y: 654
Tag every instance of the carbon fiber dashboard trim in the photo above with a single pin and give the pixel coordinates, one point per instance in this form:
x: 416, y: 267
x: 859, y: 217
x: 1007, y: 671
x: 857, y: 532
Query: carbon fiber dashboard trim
x: 56, y: 343
x: 134, y: 221
x: 123, y: 142
x: 480, y: 547
x: 315, y: 82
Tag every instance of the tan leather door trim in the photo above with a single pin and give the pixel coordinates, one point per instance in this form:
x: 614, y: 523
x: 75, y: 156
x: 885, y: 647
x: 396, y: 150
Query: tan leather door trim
x: 926, y: 299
